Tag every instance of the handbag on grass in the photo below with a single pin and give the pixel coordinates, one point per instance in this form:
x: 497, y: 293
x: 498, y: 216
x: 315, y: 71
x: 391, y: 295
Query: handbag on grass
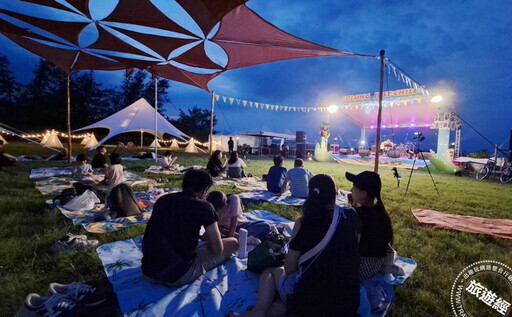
x: 270, y: 252
x: 389, y: 266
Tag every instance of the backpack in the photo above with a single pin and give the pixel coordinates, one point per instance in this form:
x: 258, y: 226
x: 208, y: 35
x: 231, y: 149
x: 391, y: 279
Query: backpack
x: 122, y: 202
x: 66, y: 196
x: 269, y: 253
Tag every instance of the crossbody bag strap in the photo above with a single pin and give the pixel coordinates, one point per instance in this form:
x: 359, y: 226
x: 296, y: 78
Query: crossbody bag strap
x: 327, y: 238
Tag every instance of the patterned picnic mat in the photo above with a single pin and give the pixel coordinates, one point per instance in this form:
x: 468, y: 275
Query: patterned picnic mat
x: 157, y: 170
x: 286, y: 198
x: 91, y: 221
x: 53, y: 185
x: 50, y: 172
x: 245, y: 183
x: 228, y: 287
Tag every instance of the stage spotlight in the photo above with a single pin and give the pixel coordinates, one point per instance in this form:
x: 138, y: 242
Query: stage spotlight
x: 437, y: 99
x: 332, y: 108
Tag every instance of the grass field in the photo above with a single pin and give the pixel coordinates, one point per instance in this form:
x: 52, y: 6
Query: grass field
x: 28, y: 229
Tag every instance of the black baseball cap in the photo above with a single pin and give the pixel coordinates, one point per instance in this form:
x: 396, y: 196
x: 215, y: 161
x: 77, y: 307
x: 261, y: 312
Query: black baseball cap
x: 367, y: 181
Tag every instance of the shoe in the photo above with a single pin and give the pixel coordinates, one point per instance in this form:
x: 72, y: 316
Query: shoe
x: 73, y: 244
x: 55, y: 305
x: 78, y: 292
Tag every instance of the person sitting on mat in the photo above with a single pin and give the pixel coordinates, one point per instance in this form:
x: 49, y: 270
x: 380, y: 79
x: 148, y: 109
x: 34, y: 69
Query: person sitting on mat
x: 235, y: 166
x: 276, y: 175
x: 376, y: 229
x: 114, y: 173
x: 229, y: 210
x: 167, y: 162
x: 215, y: 166
x: 82, y: 172
x: 170, y: 246
x: 99, y: 161
x: 325, y: 281
x: 298, y: 177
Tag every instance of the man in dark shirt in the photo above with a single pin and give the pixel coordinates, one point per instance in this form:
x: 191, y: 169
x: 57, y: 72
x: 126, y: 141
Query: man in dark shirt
x: 100, y: 159
x: 170, y: 244
x: 231, y: 144
x: 276, y: 175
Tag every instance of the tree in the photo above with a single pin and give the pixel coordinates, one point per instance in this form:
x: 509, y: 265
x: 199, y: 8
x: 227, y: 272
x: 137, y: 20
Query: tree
x: 195, y: 123
x: 7, y: 81
x: 137, y: 86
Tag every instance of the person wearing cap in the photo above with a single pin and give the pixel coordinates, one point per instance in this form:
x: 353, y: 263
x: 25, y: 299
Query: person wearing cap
x: 376, y: 230
x: 298, y: 177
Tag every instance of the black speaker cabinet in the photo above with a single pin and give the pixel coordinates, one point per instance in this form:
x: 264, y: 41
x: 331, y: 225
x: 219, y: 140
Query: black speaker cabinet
x: 300, y: 140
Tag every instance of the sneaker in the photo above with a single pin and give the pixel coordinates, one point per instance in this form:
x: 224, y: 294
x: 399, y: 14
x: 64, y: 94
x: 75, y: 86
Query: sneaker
x: 73, y: 244
x: 79, y: 292
x: 55, y: 305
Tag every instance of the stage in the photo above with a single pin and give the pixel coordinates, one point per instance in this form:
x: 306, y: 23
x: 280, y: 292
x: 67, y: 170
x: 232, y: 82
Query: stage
x: 383, y: 161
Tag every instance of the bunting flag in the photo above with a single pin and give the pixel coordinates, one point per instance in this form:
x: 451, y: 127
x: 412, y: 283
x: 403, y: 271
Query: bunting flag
x: 231, y: 100
x: 224, y: 98
x: 238, y: 101
x: 244, y: 102
x: 217, y: 97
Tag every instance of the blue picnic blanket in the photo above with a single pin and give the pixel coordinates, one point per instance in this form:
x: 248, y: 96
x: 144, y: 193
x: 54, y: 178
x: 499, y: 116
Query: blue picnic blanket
x: 50, y: 172
x: 228, y: 287
x: 286, y: 198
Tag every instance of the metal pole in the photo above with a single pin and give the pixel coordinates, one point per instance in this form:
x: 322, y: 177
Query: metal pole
x: 211, y: 122
x: 156, y: 114
x: 377, y: 141
x: 69, y: 123
x: 495, y: 160
x: 141, y: 136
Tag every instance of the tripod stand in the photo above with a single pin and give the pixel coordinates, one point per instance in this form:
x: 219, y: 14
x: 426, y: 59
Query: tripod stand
x: 420, y: 138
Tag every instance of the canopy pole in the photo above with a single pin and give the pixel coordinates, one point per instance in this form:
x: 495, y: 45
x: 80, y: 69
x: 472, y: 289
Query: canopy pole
x: 141, y: 136
x: 69, y: 122
x: 377, y: 141
x: 211, y: 123
x: 156, y: 114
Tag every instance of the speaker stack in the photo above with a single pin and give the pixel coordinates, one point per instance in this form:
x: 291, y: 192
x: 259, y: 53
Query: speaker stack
x: 300, y: 140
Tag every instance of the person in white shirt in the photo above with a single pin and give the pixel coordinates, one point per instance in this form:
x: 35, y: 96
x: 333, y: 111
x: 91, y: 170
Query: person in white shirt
x: 298, y: 178
x: 236, y: 166
x: 167, y: 162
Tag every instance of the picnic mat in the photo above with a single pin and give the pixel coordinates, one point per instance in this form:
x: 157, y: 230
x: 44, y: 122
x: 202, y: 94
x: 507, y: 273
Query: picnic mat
x: 90, y: 219
x: 182, y: 169
x: 245, y: 183
x: 286, y: 198
x: 57, y: 184
x: 501, y: 228
x: 36, y: 173
x: 228, y: 287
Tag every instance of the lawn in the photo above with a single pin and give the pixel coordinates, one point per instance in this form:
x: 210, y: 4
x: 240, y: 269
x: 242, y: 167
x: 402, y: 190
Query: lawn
x: 28, y: 228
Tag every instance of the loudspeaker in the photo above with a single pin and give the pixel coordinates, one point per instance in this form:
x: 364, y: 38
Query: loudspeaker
x: 300, y: 140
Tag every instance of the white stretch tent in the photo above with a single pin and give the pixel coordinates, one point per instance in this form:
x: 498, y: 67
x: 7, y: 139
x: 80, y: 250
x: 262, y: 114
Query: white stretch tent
x: 138, y: 116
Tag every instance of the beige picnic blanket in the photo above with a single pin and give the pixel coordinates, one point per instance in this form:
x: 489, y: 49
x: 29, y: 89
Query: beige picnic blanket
x: 495, y: 227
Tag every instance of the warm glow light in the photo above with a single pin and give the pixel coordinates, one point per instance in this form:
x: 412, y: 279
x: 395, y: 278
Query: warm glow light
x: 362, y: 142
x: 437, y: 99
x: 427, y: 125
x: 412, y: 124
x: 332, y: 108
x: 371, y: 127
x: 396, y: 125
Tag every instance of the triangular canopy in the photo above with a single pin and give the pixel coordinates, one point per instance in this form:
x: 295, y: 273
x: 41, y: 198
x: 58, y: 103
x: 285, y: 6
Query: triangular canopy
x: 86, y: 139
x: 153, y: 144
x: 191, y: 147
x: 174, y: 144
x: 91, y: 142
x: 53, y: 141
x: 139, y: 116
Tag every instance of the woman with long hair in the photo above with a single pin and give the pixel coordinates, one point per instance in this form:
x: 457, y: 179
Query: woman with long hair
x: 235, y: 166
x: 376, y: 230
x: 316, y: 276
x: 215, y: 166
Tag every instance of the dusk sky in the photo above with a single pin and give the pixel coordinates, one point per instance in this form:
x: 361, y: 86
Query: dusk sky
x: 467, y: 43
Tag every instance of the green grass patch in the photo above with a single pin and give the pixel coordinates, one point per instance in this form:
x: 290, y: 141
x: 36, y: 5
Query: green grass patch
x: 28, y: 228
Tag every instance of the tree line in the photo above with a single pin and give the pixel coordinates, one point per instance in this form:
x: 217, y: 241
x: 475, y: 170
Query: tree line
x: 41, y: 104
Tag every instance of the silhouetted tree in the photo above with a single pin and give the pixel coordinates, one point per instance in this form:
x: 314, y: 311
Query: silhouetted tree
x: 195, y: 123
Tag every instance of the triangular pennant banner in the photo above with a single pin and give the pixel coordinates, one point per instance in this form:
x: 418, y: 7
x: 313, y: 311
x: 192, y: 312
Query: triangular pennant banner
x: 272, y: 107
x: 294, y: 109
x: 256, y: 105
x: 418, y: 100
x: 217, y: 97
x: 267, y: 106
x: 231, y: 100
x: 238, y: 101
x: 250, y: 104
x: 224, y: 98
x: 285, y: 108
x: 244, y: 102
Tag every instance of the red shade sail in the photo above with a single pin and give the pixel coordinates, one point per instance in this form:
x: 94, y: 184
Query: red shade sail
x: 207, y: 13
x: 245, y: 37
